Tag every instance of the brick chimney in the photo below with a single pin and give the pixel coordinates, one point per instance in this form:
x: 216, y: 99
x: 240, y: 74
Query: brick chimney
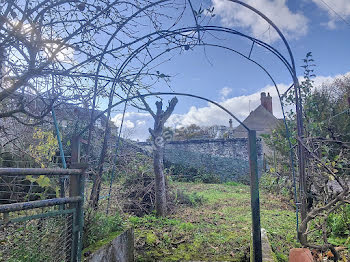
x: 266, y: 101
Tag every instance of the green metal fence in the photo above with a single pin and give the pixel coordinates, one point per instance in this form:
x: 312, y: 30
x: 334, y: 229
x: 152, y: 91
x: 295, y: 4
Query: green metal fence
x: 36, y: 224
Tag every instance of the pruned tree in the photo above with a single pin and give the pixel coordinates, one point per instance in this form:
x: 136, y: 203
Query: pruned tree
x: 160, y: 117
x: 327, y: 150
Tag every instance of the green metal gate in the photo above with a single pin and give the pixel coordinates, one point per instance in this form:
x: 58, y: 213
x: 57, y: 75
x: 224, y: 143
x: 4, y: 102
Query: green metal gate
x: 36, y: 224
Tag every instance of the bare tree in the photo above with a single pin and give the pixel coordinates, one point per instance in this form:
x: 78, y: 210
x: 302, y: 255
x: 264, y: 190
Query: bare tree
x: 69, y: 50
x: 54, y: 52
x: 86, y: 52
x: 160, y: 117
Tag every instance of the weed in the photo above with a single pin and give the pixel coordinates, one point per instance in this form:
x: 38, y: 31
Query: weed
x: 339, y: 223
x: 98, y: 226
x: 232, y: 183
x: 218, y: 230
x: 192, y: 199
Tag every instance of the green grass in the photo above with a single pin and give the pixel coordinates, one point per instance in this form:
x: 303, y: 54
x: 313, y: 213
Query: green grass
x: 217, y: 230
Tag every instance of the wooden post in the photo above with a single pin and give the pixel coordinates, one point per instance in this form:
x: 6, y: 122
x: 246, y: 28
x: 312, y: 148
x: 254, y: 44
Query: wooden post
x: 254, y: 197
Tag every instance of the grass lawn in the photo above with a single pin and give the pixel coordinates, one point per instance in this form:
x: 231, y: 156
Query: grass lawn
x: 216, y: 230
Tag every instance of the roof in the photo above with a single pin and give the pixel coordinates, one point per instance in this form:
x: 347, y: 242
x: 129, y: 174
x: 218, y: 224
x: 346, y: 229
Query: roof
x: 260, y: 120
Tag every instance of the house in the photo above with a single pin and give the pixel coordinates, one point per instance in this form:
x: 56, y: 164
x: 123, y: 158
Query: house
x: 261, y: 119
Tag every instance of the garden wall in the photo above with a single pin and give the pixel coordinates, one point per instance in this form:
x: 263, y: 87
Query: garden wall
x: 227, y: 158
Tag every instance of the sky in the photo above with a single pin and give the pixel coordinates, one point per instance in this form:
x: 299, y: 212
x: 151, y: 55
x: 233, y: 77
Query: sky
x: 318, y: 26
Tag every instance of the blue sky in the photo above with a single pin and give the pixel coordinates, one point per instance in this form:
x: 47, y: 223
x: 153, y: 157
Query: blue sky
x: 309, y: 25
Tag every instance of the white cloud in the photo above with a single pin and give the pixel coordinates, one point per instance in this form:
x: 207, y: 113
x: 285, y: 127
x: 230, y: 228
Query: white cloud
x: 128, y: 124
x: 131, y: 119
x: 334, y: 8
x: 141, y: 122
x: 225, y: 91
x: 294, y: 25
x: 136, y: 124
x: 239, y: 106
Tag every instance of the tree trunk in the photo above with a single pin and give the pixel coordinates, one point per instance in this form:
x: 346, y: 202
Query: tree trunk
x: 96, y: 187
x: 160, y: 117
x: 158, y: 155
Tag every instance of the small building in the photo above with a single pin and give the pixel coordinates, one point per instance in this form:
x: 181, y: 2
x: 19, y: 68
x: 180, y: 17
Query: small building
x: 261, y: 119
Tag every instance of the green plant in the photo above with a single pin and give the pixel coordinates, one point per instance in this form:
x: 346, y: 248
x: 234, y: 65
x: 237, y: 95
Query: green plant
x: 219, y: 230
x: 21, y: 251
x: 98, y: 226
x: 339, y: 222
x: 44, y: 147
x: 189, y: 199
x: 325, y: 137
x: 183, y: 173
x: 274, y: 183
x: 232, y: 183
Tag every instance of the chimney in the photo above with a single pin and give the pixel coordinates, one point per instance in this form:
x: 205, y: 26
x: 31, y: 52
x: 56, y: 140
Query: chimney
x: 266, y: 101
x: 230, y: 122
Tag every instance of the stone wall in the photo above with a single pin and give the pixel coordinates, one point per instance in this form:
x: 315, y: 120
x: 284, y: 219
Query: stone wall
x: 227, y: 158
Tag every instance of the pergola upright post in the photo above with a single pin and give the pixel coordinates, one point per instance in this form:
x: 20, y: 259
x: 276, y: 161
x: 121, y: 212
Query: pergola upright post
x: 301, y: 155
x: 254, y: 197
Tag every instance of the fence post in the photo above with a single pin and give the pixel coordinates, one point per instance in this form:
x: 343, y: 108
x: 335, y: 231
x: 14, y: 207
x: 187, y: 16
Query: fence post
x: 76, y: 188
x: 254, y: 196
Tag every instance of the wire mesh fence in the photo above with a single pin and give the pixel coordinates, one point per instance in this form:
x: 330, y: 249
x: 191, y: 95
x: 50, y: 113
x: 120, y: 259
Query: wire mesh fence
x: 15, y: 189
x: 39, y: 219
x: 42, y: 235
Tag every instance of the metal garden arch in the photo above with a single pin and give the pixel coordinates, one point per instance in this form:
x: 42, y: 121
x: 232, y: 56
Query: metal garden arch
x: 290, y: 68
x: 253, y: 165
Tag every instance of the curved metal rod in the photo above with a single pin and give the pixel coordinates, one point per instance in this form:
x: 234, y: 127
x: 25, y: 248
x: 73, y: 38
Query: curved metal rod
x: 166, y: 93
x: 204, y: 28
x: 273, y: 25
x: 279, y: 97
x: 291, y: 69
x: 104, y: 53
x: 165, y: 33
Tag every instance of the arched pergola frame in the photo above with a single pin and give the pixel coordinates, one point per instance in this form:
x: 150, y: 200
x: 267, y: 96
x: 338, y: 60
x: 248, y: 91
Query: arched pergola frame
x: 253, y: 165
x: 290, y: 66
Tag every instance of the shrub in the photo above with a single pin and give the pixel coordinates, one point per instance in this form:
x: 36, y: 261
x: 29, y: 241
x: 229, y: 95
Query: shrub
x: 272, y: 182
x: 181, y: 173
